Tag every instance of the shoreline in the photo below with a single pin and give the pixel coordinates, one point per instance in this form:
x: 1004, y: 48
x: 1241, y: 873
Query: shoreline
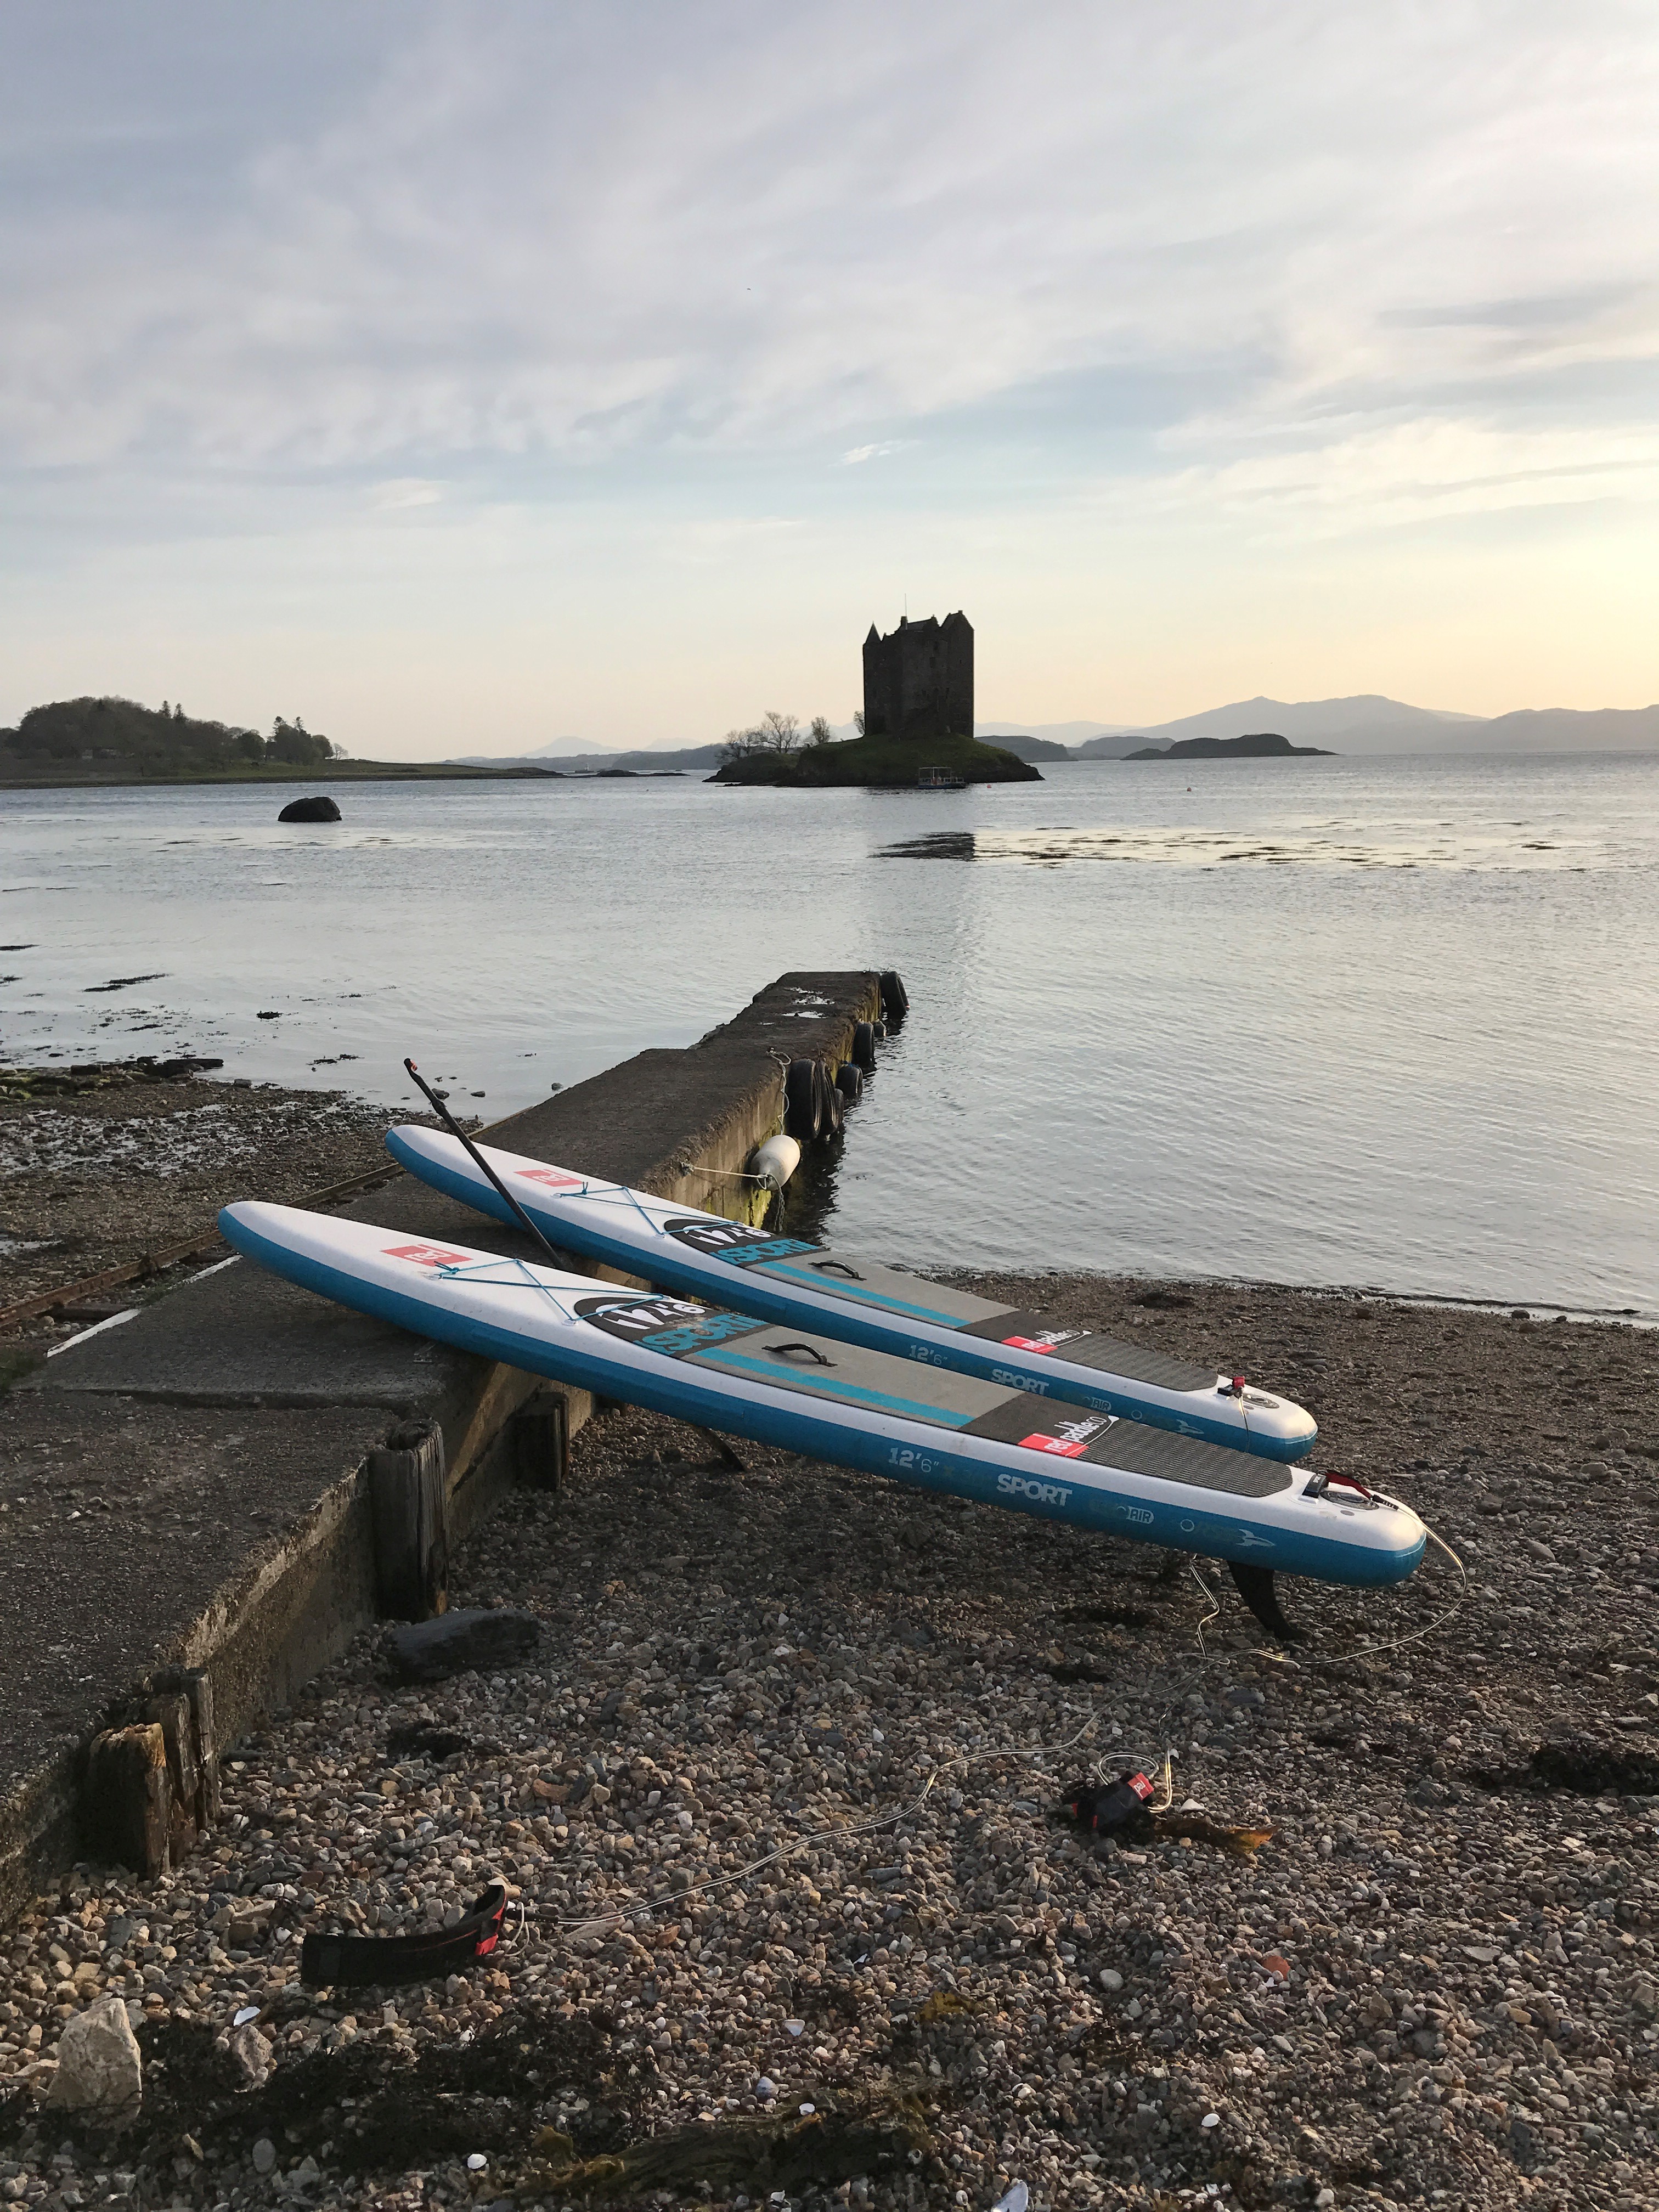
x: 59, y: 1224
x: 345, y: 771
x: 95, y: 1179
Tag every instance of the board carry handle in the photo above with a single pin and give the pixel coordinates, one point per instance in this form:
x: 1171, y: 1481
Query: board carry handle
x: 786, y: 1351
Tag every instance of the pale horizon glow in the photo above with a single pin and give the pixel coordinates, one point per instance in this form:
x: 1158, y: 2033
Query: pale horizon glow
x: 464, y: 378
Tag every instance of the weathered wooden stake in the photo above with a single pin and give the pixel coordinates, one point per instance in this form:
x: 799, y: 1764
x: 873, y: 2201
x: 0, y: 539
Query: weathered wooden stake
x: 198, y: 1688
x: 536, y: 1437
x: 408, y: 1500
x: 193, y: 1745
x: 171, y: 1714
x: 128, y: 1799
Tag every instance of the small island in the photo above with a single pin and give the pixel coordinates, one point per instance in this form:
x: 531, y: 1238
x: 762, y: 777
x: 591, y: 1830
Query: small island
x: 878, y: 763
x: 915, y: 731
x: 1262, y: 744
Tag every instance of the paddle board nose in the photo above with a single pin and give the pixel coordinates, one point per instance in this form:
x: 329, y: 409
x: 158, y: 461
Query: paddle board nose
x: 1278, y: 1428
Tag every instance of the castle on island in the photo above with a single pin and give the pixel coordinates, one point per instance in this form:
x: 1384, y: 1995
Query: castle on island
x: 918, y: 679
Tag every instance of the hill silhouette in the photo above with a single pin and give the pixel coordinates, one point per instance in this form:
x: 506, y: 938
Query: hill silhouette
x: 153, y: 740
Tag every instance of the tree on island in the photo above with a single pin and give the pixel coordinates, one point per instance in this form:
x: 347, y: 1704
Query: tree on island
x: 292, y: 745
x: 156, y: 741
x: 774, y: 733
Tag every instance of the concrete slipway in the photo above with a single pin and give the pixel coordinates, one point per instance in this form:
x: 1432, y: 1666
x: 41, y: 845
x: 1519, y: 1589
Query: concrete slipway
x: 209, y: 1505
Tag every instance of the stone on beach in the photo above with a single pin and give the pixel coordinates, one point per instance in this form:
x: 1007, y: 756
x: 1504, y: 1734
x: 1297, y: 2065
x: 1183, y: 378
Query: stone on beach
x: 100, y: 2072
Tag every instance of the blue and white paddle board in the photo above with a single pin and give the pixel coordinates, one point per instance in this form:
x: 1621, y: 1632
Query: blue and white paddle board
x: 805, y: 1286
x: 931, y: 1427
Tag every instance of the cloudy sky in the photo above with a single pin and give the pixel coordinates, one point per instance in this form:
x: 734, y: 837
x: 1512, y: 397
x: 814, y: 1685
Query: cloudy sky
x: 464, y: 377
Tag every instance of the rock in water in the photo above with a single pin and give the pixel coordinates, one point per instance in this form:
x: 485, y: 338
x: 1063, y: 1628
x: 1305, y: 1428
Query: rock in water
x: 99, y: 2069
x: 310, y: 810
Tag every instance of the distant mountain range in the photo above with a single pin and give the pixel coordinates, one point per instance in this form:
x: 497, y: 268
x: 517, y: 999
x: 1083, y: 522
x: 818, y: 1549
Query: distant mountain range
x: 1372, y: 724
x: 1368, y: 723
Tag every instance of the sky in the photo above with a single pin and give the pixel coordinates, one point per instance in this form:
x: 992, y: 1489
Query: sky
x: 466, y: 377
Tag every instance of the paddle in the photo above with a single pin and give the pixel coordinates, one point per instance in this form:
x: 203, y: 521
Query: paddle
x: 728, y: 1457
x: 482, y: 1165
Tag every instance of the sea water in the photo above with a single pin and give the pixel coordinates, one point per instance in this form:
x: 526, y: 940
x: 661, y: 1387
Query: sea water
x: 1388, y: 1023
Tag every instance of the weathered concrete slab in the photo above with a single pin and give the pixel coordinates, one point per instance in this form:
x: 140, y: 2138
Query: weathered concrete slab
x: 242, y: 1338
x: 224, y: 1430
x: 140, y: 1534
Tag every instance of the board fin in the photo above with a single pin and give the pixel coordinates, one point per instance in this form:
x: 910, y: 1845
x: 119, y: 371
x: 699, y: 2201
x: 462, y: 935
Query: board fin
x: 1255, y: 1586
x: 723, y: 1451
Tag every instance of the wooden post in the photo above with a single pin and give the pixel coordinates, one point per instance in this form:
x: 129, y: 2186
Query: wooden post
x: 127, y: 1803
x: 171, y: 1713
x: 193, y: 1745
x: 537, y: 1436
x: 408, y: 1501
x: 198, y: 1688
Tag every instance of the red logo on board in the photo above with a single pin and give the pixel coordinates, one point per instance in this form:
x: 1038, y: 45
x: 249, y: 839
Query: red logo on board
x: 427, y: 1256
x: 1027, y: 1344
x: 1061, y: 1447
x: 553, y: 1177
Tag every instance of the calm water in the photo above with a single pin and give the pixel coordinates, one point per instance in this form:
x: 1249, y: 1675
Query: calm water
x: 1391, y: 1023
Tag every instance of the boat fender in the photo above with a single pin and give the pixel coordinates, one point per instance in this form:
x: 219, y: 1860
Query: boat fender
x: 849, y: 1081
x: 864, y: 1046
x: 895, y: 999
x: 775, y: 1162
x: 803, y: 1100
x: 833, y: 1103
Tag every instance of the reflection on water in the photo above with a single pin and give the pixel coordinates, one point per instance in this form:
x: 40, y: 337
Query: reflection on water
x: 1374, y: 1021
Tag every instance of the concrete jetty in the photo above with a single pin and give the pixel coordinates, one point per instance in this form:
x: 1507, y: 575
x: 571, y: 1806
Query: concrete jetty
x: 207, y: 1506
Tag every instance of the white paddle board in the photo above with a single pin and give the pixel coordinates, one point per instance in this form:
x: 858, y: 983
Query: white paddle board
x: 805, y: 1286
x: 934, y: 1428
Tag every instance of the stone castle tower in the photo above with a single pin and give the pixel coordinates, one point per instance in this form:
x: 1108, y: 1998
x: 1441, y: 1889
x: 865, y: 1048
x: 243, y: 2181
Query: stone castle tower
x: 919, y: 680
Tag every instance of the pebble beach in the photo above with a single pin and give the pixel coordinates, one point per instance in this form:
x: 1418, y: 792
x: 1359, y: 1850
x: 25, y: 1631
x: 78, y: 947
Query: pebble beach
x: 1432, y: 1983
x: 794, y: 1922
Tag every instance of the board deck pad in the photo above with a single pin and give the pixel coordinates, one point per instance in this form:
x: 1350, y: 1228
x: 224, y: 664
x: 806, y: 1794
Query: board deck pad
x: 802, y: 1285
x: 1032, y: 1332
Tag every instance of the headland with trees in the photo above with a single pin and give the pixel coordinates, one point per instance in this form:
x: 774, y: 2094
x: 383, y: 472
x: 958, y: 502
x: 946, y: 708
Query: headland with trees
x: 114, y: 740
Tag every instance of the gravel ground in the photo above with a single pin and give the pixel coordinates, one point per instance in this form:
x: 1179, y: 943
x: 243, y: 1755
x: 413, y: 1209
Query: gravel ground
x: 1434, y: 1983
x: 97, y: 1180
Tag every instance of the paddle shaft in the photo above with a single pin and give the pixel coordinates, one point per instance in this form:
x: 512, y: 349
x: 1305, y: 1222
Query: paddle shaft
x: 482, y: 1165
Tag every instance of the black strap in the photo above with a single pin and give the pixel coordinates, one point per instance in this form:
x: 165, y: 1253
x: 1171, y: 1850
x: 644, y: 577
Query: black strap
x: 387, y: 1961
x: 787, y: 1351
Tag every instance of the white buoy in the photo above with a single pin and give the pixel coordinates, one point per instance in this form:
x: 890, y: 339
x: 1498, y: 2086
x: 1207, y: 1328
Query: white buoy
x: 775, y: 1161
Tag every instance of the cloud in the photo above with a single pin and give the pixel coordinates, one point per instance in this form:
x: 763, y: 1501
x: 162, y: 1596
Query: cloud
x: 398, y: 492
x: 470, y: 336
x: 506, y: 231
x: 1416, y: 471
